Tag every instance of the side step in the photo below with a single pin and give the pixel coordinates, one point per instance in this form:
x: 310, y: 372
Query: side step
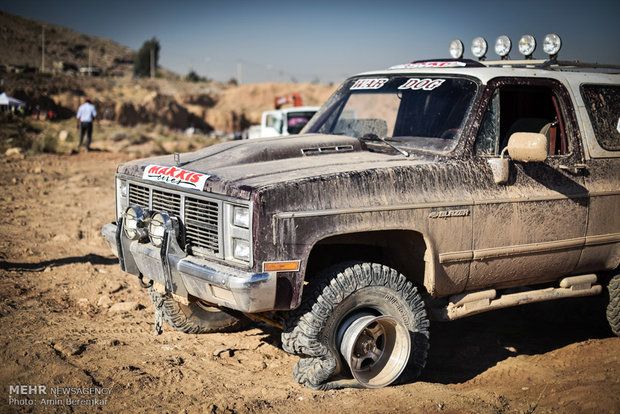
x: 467, y: 304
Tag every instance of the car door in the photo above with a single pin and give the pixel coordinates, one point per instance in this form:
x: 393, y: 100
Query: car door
x: 600, y: 118
x: 531, y: 229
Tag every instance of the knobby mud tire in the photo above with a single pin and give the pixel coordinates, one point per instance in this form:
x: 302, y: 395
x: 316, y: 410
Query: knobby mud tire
x: 195, y: 318
x: 613, y: 307
x: 310, y: 331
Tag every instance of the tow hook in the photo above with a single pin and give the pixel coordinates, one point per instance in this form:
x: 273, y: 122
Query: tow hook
x: 143, y: 284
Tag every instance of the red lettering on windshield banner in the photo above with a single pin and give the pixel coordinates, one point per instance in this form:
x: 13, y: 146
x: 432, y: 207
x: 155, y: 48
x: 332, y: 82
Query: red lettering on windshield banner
x: 374, y: 83
x: 175, y: 176
x: 424, y: 84
x: 450, y: 64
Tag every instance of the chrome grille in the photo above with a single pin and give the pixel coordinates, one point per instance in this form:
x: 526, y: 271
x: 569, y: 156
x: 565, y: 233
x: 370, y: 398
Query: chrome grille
x: 201, y: 223
x: 200, y: 218
x: 168, y: 202
x: 139, y: 196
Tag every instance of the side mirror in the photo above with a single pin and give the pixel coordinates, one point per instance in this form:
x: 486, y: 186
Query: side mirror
x: 528, y: 146
x: 523, y: 147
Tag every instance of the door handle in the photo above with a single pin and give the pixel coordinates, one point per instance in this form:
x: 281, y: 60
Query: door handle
x: 576, y: 169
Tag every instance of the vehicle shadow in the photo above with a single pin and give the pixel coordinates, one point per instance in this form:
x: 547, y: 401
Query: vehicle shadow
x: 462, y: 349
x: 93, y: 259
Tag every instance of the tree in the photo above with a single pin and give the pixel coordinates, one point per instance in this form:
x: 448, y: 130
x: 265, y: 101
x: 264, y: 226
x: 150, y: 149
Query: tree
x: 194, y: 77
x: 142, y: 64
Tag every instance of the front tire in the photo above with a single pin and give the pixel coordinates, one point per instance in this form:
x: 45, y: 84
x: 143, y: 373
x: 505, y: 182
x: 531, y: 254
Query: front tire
x: 339, y: 294
x: 195, y: 318
x: 613, y: 307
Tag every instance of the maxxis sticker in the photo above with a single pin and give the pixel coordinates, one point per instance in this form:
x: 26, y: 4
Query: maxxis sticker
x: 175, y: 176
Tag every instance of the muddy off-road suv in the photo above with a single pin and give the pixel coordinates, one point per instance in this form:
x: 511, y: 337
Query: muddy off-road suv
x: 429, y: 191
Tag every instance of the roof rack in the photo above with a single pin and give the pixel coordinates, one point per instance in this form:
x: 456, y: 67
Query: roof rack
x: 548, y: 64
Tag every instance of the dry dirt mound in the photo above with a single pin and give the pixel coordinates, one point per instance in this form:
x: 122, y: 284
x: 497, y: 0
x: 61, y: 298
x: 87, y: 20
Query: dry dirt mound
x: 71, y: 318
x: 20, y: 44
x: 237, y: 108
x: 173, y: 103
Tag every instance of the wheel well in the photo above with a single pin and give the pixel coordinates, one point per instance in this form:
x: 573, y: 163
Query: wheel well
x: 402, y: 250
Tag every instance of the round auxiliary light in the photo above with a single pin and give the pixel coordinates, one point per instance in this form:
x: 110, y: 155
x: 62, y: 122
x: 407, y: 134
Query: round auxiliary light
x: 503, y: 45
x: 527, y: 45
x: 134, y: 223
x: 456, y: 49
x: 552, y: 44
x: 479, y: 47
x: 157, y: 228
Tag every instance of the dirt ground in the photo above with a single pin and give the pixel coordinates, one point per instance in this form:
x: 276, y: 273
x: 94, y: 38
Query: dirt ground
x: 59, y: 327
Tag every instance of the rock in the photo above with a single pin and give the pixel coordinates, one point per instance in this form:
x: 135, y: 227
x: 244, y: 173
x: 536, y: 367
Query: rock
x: 63, y: 135
x: 14, y: 152
x: 224, y: 353
x: 114, y: 287
x: 104, y: 301
x: 123, y: 307
x: 61, y: 238
x: 68, y: 348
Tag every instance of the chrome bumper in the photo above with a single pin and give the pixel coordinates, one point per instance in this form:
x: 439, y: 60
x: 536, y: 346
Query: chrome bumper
x: 182, y: 274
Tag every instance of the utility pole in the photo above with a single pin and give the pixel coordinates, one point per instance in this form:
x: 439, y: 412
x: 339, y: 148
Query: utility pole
x: 90, y: 68
x: 152, y: 62
x: 42, y: 48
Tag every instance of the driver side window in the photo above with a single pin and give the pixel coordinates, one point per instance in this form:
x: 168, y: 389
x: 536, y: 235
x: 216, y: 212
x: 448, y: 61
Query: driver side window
x: 521, y: 108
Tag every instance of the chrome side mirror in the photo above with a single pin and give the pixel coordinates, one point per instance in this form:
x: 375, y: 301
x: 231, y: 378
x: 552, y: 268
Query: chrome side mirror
x: 528, y: 146
x: 500, y: 167
x: 523, y: 147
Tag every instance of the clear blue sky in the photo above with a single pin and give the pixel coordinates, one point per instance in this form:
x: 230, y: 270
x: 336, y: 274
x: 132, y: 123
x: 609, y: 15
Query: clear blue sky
x: 328, y: 40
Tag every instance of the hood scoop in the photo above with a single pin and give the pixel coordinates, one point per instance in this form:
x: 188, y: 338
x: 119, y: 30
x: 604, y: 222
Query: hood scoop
x: 327, y: 150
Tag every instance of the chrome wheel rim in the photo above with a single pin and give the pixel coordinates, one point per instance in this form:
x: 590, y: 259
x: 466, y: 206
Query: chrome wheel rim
x: 376, y: 348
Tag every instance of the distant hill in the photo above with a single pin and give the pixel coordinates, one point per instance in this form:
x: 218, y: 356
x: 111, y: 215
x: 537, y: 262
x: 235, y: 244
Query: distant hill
x: 20, y: 45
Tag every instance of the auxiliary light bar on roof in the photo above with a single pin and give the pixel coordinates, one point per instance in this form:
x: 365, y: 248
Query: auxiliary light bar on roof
x: 527, y: 44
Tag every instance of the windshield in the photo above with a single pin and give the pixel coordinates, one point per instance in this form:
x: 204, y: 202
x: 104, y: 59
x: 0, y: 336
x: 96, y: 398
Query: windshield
x: 297, y: 120
x: 421, y: 112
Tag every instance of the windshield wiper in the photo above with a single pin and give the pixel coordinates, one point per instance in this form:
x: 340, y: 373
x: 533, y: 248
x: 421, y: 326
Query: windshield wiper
x: 375, y: 138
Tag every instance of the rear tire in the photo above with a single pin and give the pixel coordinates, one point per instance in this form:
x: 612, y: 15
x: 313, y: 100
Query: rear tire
x: 195, y: 318
x: 311, y: 331
x: 613, y: 307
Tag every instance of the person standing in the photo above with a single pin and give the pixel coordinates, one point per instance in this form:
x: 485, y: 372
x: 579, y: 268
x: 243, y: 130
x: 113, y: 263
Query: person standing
x: 86, y: 115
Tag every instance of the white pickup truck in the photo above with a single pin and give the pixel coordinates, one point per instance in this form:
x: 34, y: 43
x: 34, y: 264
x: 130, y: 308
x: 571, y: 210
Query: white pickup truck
x: 280, y: 122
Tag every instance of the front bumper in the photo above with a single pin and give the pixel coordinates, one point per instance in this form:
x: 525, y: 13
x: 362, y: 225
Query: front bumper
x: 182, y: 274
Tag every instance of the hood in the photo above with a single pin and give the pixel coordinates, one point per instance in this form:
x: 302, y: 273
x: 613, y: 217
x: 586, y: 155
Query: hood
x: 237, y: 168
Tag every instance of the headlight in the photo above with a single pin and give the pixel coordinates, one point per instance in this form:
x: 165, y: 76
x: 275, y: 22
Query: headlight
x: 241, y: 216
x: 135, y: 223
x: 503, y: 46
x: 479, y: 47
x: 157, y: 228
x: 241, y: 249
x: 123, y: 188
x: 552, y: 44
x: 456, y: 49
x: 122, y: 191
x: 527, y: 45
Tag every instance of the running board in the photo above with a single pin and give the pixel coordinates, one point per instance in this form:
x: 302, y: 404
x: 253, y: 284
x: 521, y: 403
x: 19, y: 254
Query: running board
x: 467, y: 304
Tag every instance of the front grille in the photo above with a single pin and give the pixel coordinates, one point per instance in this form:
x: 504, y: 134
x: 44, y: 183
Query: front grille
x: 168, y: 202
x: 201, y: 223
x: 199, y: 217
